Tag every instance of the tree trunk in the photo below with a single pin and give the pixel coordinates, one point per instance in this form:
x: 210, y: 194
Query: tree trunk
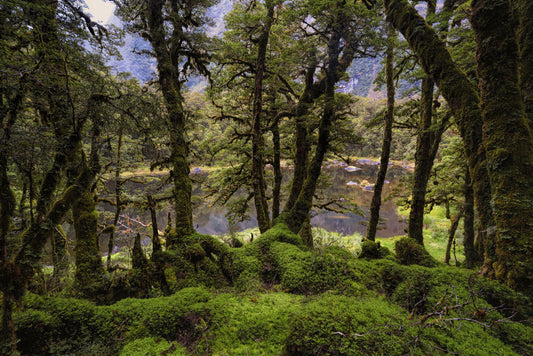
x: 258, y: 144
x: 423, y: 162
x: 171, y: 88
x: 301, y: 144
x: 300, y: 211
x: 387, y: 138
x: 59, y: 253
x: 157, y: 258
x: 423, y: 155
x: 278, y: 177
x: 118, y: 200
x: 525, y: 43
x: 451, y: 235
x: 507, y: 140
x: 472, y: 256
x: 463, y: 101
x: 89, y: 269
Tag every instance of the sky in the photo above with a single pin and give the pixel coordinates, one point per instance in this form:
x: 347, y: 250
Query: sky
x: 100, y: 10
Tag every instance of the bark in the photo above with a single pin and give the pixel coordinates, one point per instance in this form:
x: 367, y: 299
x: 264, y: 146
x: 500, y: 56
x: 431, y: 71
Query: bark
x: 387, y: 139
x: 157, y: 258
x: 312, y: 91
x: 89, y: 269
x: 118, y: 201
x: 507, y: 140
x: 278, y: 176
x: 53, y: 74
x: 59, y: 253
x: 156, y: 243
x: 472, y: 256
x: 300, y: 211
x: 301, y: 144
x: 525, y: 42
x: 138, y: 259
x: 451, y: 235
x: 423, y: 162
x: 428, y: 139
x: 171, y: 89
x: 258, y: 144
x: 463, y: 101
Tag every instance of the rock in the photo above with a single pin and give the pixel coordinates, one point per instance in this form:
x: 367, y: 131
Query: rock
x: 352, y: 183
x: 352, y: 169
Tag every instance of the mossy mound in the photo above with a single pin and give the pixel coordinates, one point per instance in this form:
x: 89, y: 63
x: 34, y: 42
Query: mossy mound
x: 409, y: 252
x: 338, y: 304
x: 373, y: 250
x: 200, y: 321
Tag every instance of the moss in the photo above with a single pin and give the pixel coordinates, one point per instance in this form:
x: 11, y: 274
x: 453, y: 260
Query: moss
x: 199, y: 321
x: 372, y: 250
x: 331, y: 325
x: 150, y: 346
x: 254, y: 324
x: 89, y: 269
x: 409, y: 252
x: 314, y: 272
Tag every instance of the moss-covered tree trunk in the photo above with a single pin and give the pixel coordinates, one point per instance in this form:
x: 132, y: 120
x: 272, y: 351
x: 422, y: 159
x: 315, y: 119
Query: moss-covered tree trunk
x: 59, y: 253
x: 451, y: 234
x: 300, y: 211
x: 258, y: 144
x: 375, y: 204
x: 423, y: 162
x: 278, y: 176
x: 118, y: 200
x: 7, y: 209
x: 463, y: 101
x: 89, y: 268
x: 171, y: 88
x: 301, y: 142
x: 525, y: 45
x: 472, y: 256
x: 507, y: 140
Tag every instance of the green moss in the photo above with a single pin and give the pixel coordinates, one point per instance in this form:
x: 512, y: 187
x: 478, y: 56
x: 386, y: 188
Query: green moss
x: 152, y: 347
x: 314, y: 272
x: 249, y: 325
x: 371, y: 249
x: 199, y: 321
x: 338, y: 325
x: 409, y: 252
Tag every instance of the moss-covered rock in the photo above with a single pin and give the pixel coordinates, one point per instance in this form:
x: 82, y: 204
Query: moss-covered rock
x: 373, y: 250
x: 409, y: 252
x: 314, y: 272
x: 150, y: 346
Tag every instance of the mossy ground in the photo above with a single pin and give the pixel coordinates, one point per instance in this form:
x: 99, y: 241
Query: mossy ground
x: 273, y: 296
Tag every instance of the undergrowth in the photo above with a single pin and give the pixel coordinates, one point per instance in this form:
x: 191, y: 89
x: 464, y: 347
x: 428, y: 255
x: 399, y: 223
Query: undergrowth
x: 274, y: 296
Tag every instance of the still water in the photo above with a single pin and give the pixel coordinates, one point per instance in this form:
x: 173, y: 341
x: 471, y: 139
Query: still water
x: 346, y: 183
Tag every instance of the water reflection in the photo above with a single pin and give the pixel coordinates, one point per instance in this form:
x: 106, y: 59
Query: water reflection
x: 349, y: 183
x: 352, y: 185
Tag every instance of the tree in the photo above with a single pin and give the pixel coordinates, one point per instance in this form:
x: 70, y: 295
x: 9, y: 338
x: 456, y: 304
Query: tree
x: 47, y: 36
x: 175, y: 32
x: 504, y: 124
x: 387, y: 138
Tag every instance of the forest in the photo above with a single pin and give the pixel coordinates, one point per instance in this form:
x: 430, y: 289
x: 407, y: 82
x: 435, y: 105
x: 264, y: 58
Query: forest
x: 181, y: 210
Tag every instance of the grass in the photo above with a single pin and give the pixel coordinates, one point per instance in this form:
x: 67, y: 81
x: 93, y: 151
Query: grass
x: 436, y: 227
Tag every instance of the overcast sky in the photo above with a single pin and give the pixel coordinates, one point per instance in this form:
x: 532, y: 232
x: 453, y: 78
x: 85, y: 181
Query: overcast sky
x: 100, y: 10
